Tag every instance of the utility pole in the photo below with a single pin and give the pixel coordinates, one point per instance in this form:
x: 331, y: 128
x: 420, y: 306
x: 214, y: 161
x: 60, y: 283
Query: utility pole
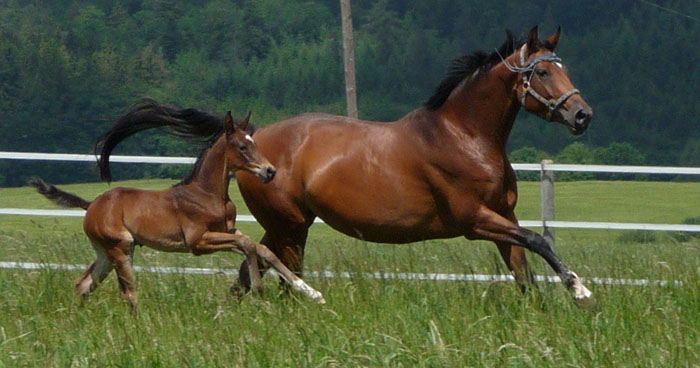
x: 349, y: 59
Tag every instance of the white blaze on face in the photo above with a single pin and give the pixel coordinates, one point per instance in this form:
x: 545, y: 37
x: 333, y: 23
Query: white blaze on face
x: 249, y: 138
x: 559, y: 65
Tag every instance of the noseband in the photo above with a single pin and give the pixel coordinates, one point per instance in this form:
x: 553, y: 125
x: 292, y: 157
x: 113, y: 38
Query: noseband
x: 553, y: 103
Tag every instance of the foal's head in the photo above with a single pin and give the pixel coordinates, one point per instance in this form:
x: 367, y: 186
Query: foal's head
x: 241, y: 151
x: 544, y: 85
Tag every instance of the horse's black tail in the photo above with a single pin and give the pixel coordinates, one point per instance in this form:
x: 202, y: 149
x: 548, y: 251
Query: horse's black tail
x: 61, y: 198
x: 186, y: 123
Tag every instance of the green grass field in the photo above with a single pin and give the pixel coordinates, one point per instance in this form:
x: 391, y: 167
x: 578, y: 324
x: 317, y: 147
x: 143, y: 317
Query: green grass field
x: 190, y: 320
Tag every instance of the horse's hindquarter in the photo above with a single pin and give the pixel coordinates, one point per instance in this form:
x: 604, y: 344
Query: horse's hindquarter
x: 147, y: 217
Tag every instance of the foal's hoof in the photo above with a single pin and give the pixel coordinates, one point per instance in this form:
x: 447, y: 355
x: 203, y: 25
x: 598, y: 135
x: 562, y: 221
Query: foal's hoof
x: 237, y: 291
x: 590, y: 303
x: 320, y: 299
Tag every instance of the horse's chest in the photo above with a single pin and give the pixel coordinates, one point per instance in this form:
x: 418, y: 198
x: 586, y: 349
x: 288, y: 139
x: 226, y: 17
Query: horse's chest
x: 463, y: 194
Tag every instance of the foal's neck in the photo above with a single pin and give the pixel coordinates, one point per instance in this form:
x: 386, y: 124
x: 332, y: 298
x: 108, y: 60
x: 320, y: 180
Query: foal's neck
x: 485, y: 107
x: 214, y: 176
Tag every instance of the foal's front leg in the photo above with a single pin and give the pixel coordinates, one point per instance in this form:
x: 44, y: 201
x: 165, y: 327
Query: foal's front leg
x: 214, y: 241
x: 211, y: 242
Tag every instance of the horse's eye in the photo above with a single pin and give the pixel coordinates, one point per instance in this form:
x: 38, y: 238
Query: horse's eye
x: 243, y: 148
x: 542, y: 72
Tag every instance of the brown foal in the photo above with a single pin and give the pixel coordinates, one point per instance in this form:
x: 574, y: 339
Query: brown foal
x: 195, y: 216
x: 439, y: 172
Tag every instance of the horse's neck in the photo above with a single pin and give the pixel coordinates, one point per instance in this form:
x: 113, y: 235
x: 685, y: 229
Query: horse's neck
x: 213, y: 176
x: 485, y: 107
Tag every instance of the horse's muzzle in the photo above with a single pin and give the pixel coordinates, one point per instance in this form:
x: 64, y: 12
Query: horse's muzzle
x: 579, y: 121
x: 267, y: 174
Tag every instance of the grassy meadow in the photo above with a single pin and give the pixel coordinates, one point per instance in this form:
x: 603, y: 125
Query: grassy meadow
x: 192, y: 321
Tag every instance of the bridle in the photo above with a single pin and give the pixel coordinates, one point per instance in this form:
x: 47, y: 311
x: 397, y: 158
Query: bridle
x: 553, y: 103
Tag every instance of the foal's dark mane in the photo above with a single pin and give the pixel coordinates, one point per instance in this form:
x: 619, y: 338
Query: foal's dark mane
x: 185, y: 123
x: 465, y: 66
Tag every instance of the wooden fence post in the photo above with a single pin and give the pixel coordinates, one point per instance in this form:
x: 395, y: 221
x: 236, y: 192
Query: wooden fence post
x: 547, y: 188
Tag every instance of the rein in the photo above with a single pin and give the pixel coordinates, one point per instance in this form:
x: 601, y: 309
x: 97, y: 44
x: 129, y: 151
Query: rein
x: 553, y: 103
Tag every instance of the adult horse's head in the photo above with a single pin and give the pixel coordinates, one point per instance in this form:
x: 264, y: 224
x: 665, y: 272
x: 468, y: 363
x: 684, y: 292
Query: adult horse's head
x: 241, y: 151
x: 544, y: 86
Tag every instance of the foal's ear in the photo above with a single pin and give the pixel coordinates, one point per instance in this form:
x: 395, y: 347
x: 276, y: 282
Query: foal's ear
x: 229, y: 127
x: 532, y: 40
x: 244, y: 123
x: 553, y: 40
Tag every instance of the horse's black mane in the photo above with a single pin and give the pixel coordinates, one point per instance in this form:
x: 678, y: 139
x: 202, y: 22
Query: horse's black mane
x: 465, y: 66
x: 185, y: 123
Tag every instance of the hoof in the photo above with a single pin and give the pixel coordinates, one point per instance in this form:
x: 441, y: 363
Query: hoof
x: 315, y: 295
x: 590, y: 303
x: 236, y: 291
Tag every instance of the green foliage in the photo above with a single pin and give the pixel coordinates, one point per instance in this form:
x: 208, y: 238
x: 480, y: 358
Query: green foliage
x: 69, y: 68
x: 685, y: 236
x: 575, y: 153
x: 3, y: 168
x: 528, y: 155
x: 690, y: 155
x: 619, y: 154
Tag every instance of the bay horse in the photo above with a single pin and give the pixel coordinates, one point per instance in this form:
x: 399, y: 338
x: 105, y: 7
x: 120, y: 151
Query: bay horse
x: 195, y: 216
x: 439, y: 172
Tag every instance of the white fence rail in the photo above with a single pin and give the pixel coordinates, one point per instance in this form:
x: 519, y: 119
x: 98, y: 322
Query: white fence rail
x: 545, y: 168
x: 349, y: 275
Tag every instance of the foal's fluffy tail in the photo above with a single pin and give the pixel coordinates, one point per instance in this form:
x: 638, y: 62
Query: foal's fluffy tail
x: 61, y: 198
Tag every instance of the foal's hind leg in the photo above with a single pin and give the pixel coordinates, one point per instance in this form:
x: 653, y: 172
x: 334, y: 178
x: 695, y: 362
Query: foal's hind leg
x: 95, y: 274
x: 122, y: 258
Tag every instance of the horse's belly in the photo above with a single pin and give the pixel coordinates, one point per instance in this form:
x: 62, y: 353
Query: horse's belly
x: 163, y: 244
x: 384, y: 221
x: 395, y: 233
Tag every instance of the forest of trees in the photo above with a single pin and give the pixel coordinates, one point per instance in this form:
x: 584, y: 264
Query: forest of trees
x: 68, y: 68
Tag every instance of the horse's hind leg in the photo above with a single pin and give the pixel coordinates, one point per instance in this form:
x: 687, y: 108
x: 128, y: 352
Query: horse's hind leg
x: 286, y: 274
x: 122, y: 258
x: 515, y: 259
x: 289, y: 249
x: 95, y: 274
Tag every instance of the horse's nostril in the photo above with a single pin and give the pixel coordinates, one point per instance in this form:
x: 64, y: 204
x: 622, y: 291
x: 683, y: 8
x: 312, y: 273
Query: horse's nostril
x: 271, y: 172
x: 581, y: 115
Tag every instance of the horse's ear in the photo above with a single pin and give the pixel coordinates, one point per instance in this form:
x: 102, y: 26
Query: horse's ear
x: 553, y: 40
x: 229, y: 127
x: 244, y: 124
x: 532, y: 40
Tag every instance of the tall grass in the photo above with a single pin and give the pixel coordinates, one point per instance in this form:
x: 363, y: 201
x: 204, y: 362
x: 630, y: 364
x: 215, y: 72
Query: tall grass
x: 192, y: 321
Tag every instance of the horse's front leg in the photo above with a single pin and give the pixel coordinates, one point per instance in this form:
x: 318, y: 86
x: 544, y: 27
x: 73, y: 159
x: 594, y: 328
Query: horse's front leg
x: 492, y: 226
x: 516, y: 260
